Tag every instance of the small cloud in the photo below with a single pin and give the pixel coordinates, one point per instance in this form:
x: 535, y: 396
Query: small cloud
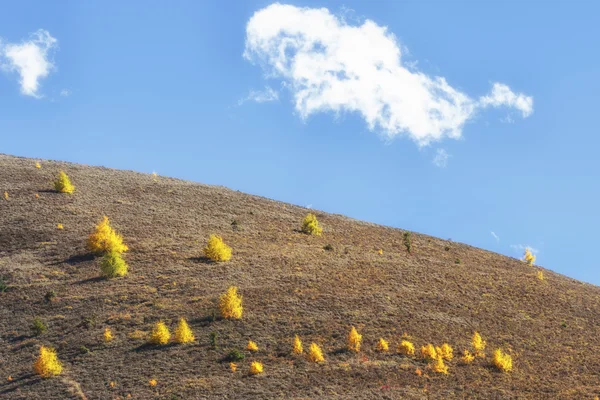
x: 65, y: 93
x: 441, y: 158
x: 309, y: 206
x: 502, y: 96
x: 495, y: 236
x: 260, y: 96
x: 30, y: 59
x: 520, y: 248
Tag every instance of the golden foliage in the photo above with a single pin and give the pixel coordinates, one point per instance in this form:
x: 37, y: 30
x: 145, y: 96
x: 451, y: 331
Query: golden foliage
x: 380, y: 251
x: 502, y: 361
x: 105, y: 239
x: 160, y: 334
x: 540, y: 275
x: 478, y: 345
x: 113, y: 265
x: 528, y: 257
x: 216, y: 249
x: 47, y: 364
x: 439, y: 366
x: 256, y: 368
x: 183, y: 333
x: 354, y: 339
x: 60, y: 226
x: 152, y: 382
x: 5, y: 195
x: 230, y: 304
x: 429, y: 352
x: 407, y: 348
x: 315, y: 354
x: 297, y: 349
x: 38, y: 165
x: 233, y: 366
x: 310, y: 225
x: 467, y: 357
x: 252, y: 346
x: 446, y: 352
x: 382, y: 345
x: 108, y: 336
x: 63, y: 184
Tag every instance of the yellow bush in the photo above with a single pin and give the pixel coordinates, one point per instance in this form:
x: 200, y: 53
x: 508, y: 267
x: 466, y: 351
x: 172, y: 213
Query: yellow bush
x: 5, y: 195
x: 252, y: 346
x: 160, y: 334
x: 105, y: 239
x: 439, y: 366
x: 47, y: 364
x: 183, y: 333
x: 63, y: 184
x: 113, y: 265
x: 108, y: 336
x: 217, y: 250
x: 502, y: 361
x: 233, y: 366
x: 354, y: 339
x: 446, y: 352
x: 310, y: 225
x: 478, y: 345
x: 38, y: 165
x: 382, y: 345
x: 152, y: 382
x: 528, y: 257
x: 230, y: 304
x: 315, y: 354
x: 297, y: 345
x: 256, y: 368
x: 540, y: 275
x: 407, y: 348
x: 467, y: 357
x: 60, y: 226
x: 429, y: 352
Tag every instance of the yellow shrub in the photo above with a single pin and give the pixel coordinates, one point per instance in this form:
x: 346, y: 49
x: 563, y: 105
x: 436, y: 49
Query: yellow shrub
x: 217, y: 250
x: 380, y: 251
x: 297, y: 345
x: 252, y: 346
x: 528, y: 257
x: 38, y: 165
x: 108, y: 336
x: 60, y: 226
x: 445, y: 352
x: 230, y: 304
x: 105, y: 239
x: 233, y: 366
x: 540, y: 275
x: 47, y: 364
x: 315, y: 354
x: 478, y: 345
x: 428, y: 352
x: 5, y: 195
x: 63, y: 184
x: 502, y: 361
x: 183, y: 333
x: 467, y: 357
x: 160, y: 334
x: 407, y: 348
x: 354, y: 339
x: 152, y: 382
x: 256, y: 368
x: 113, y: 265
x: 310, y: 225
x: 439, y: 366
x: 382, y: 345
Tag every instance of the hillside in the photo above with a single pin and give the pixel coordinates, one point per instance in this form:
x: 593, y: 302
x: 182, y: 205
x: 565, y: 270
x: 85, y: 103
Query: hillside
x: 440, y: 292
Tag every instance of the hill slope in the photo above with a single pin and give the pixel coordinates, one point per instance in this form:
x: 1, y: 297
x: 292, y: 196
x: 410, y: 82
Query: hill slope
x: 441, y: 292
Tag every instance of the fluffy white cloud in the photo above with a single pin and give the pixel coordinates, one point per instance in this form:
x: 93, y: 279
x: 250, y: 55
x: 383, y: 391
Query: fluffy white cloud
x: 261, y: 96
x: 330, y: 65
x: 520, y: 248
x: 441, y: 158
x: 30, y: 60
x: 495, y: 236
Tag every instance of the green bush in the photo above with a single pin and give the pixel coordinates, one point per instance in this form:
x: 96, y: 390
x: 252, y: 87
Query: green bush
x: 113, y: 265
x: 407, y: 241
x: 38, y: 326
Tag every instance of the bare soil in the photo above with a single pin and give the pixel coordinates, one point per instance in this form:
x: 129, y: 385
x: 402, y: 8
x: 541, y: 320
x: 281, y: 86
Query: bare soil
x: 440, y: 292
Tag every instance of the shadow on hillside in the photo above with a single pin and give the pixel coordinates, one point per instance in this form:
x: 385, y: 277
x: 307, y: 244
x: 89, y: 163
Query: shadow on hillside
x: 153, y: 347
x: 91, y: 280
x: 207, y: 320
x: 76, y: 259
x: 19, y: 382
x: 201, y: 259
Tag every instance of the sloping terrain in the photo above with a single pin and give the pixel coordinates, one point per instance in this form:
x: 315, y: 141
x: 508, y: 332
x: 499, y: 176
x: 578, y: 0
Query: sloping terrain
x: 440, y: 292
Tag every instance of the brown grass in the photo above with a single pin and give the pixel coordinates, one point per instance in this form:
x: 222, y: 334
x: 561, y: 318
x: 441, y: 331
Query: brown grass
x: 290, y: 286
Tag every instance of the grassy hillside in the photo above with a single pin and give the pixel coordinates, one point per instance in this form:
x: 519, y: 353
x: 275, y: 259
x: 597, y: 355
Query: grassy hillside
x: 440, y: 292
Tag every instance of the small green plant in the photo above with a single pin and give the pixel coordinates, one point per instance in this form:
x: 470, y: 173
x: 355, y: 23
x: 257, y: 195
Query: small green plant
x: 311, y: 226
x: 38, y: 326
x: 3, y: 285
x: 235, y: 355
x: 447, y: 248
x: 84, y: 350
x: 113, y: 265
x: 50, y: 295
x: 328, y: 247
x: 457, y: 261
x: 407, y: 242
x: 213, y: 340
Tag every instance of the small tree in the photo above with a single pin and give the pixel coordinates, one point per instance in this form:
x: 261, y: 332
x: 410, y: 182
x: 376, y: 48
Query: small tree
x: 528, y: 257
x: 230, y: 304
x: 256, y: 368
x: 113, y: 265
x: 183, y: 333
x: 47, y: 364
x: 108, y: 336
x: 407, y: 241
x: 217, y: 250
x: 428, y: 352
x: 467, y: 357
x: 354, y: 339
x: 502, y: 361
x: 315, y: 354
x: 252, y: 346
x: 160, y: 334
x: 382, y: 345
x: 478, y: 345
x: 311, y: 226
x: 407, y: 348
x: 63, y: 184
x: 297, y: 349
x: 438, y: 365
x: 105, y: 239
x: 445, y: 351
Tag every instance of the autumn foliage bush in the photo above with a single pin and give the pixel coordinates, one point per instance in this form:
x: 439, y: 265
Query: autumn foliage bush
x: 354, y: 340
x: 63, y: 184
x: 315, y: 354
x: 230, y: 304
x: 311, y: 226
x: 183, y: 333
x: 47, y: 364
x: 105, y: 239
x: 217, y: 250
x: 160, y: 334
x: 113, y: 265
x: 502, y: 361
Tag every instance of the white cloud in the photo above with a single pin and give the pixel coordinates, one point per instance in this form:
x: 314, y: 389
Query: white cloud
x: 330, y: 65
x: 65, y: 93
x: 520, y: 248
x: 30, y: 59
x: 495, y: 236
x: 260, y: 96
x: 441, y: 158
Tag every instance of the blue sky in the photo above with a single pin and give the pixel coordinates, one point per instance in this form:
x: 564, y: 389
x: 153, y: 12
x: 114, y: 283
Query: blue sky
x: 350, y: 118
